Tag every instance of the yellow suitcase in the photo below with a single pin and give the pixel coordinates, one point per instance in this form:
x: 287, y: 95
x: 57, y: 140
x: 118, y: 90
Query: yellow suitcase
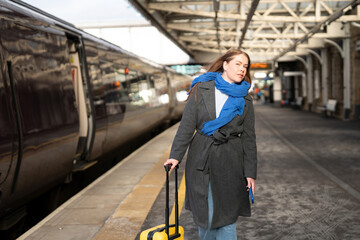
x: 159, y: 233
x: 166, y: 231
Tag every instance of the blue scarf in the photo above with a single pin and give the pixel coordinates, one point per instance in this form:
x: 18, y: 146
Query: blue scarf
x: 233, y: 106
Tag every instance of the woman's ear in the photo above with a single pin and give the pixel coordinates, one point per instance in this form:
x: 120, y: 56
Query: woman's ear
x: 225, y: 66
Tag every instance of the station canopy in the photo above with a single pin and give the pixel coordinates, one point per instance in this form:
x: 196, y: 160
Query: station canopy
x: 268, y: 30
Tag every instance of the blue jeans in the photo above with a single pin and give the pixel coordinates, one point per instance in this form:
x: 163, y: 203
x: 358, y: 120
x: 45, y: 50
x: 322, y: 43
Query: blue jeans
x: 227, y: 232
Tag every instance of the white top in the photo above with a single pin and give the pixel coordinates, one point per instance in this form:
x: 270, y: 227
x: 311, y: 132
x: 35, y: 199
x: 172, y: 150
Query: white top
x: 220, y: 99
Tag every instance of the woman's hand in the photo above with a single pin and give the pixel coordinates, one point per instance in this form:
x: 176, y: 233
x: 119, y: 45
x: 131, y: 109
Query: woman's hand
x: 171, y: 161
x: 251, y: 184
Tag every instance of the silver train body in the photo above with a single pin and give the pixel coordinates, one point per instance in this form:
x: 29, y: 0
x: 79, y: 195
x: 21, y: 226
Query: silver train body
x: 67, y: 99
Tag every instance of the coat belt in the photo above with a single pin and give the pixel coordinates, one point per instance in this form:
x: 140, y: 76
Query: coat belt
x: 220, y: 136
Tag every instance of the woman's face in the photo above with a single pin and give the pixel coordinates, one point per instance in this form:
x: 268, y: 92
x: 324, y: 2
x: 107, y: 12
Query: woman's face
x: 235, y: 70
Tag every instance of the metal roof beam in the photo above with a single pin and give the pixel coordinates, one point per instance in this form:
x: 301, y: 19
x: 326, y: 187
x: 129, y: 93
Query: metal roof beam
x: 216, y: 6
x: 321, y: 25
x: 274, y: 27
x: 183, y: 8
x: 232, y: 44
x: 241, y: 10
x: 285, y: 35
x: 251, y: 12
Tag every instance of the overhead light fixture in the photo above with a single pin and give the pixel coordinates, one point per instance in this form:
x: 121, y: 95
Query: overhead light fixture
x: 259, y: 74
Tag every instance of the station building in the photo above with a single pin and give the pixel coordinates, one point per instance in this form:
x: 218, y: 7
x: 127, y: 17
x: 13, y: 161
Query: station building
x: 326, y: 69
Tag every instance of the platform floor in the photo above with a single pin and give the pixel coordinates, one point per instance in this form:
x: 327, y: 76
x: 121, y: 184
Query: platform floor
x: 308, y: 186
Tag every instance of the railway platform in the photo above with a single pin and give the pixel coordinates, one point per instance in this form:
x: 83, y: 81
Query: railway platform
x: 308, y: 186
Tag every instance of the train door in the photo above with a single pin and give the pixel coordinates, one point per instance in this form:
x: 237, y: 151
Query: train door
x: 98, y: 68
x: 40, y: 120
x: 83, y: 104
x: 9, y: 132
x: 10, y: 139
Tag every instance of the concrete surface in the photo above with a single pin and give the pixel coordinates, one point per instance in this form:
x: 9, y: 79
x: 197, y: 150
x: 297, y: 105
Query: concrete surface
x: 307, y: 187
x: 308, y: 180
x: 115, y: 205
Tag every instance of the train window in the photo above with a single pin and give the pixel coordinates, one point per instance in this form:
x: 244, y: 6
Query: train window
x: 42, y: 76
x: 107, y: 72
x: 180, y: 87
x: 161, y: 87
x: 120, y: 84
x: 92, y: 61
x: 95, y: 70
x: 133, y: 80
x: 144, y: 88
x: 120, y: 75
x: 115, y: 85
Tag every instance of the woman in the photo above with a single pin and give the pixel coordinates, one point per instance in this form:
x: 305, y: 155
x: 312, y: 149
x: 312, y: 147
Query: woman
x: 222, y: 160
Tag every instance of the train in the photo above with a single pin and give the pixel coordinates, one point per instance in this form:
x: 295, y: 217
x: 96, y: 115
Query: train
x: 67, y: 99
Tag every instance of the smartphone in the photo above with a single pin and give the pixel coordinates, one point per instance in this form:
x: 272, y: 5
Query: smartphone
x: 251, y: 195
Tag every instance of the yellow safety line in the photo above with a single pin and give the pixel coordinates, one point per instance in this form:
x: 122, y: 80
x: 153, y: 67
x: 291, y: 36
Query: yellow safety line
x: 181, y: 197
x: 126, y: 221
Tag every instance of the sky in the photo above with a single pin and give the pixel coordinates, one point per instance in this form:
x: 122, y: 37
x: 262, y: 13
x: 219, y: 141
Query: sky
x: 147, y: 42
x: 89, y: 11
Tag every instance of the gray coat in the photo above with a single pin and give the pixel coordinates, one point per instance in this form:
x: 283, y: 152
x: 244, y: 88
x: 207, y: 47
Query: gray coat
x: 227, y: 158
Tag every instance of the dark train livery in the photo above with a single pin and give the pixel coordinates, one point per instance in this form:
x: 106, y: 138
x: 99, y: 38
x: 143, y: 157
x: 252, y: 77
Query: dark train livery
x: 68, y: 98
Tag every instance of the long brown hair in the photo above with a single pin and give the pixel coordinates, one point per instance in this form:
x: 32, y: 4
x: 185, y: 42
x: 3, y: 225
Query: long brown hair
x: 217, y: 65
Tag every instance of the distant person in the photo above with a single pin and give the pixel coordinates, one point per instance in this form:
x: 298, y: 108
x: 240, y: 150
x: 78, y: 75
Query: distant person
x: 262, y: 97
x: 222, y: 160
x: 271, y: 93
x: 256, y: 92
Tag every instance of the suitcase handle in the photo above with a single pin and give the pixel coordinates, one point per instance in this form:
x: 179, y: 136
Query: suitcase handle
x: 167, y: 169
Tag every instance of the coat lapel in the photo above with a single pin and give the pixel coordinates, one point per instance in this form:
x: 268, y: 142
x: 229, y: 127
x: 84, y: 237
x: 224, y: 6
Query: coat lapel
x: 208, y: 93
x: 247, y: 100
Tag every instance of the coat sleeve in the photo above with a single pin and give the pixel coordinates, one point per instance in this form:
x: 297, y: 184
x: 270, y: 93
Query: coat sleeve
x: 249, y: 143
x: 186, y: 129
